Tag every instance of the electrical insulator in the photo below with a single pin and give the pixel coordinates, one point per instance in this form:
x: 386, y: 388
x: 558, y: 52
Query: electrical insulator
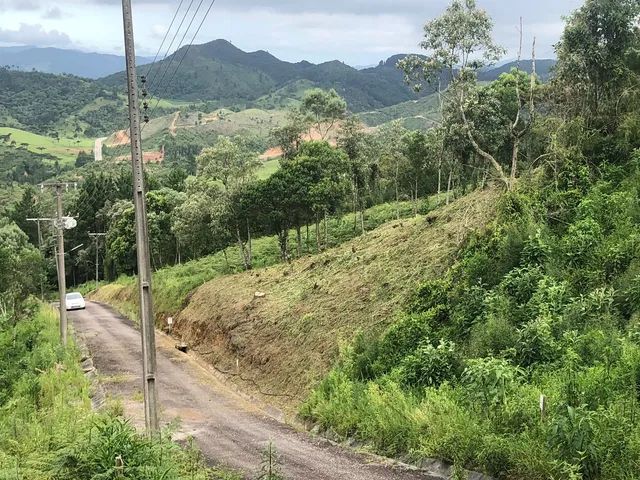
x: 146, y: 119
x: 145, y: 105
x: 143, y: 78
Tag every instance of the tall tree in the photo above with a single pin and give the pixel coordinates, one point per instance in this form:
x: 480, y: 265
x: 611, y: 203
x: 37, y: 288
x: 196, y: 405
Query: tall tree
x: 458, y: 42
x: 595, y: 59
x: 324, y: 108
x: 289, y: 137
x: 351, y: 139
x: 27, y: 207
x: 229, y: 160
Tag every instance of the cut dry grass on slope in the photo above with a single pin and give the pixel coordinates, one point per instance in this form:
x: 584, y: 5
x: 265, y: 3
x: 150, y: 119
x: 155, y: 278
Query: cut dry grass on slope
x: 286, y: 341
x: 173, y: 285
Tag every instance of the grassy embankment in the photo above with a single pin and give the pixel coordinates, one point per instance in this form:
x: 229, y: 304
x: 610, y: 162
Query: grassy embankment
x: 48, y: 429
x: 172, y: 285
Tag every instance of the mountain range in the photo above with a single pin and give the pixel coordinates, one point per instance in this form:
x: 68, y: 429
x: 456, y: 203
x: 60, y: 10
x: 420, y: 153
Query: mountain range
x: 219, y: 70
x: 221, y: 73
x: 58, y: 60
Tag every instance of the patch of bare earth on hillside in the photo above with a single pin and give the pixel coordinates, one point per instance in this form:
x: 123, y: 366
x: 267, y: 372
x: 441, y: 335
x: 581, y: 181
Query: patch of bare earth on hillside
x: 277, y: 331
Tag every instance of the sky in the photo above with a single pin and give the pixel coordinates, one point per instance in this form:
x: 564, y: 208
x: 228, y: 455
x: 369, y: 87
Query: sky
x: 357, y: 32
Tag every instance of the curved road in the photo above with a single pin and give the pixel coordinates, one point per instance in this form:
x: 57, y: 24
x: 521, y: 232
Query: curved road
x: 228, y: 429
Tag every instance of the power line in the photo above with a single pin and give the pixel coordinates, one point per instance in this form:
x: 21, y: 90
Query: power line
x: 175, y: 15
x: 181, y: 40
x: 175, y: 35
x: 183, y: 56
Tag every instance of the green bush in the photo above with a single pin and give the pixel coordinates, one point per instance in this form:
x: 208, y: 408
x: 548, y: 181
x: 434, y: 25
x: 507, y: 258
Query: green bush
x: 430, y: 366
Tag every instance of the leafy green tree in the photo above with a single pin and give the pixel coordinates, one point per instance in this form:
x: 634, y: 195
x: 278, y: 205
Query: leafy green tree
x: 324, y: 108
x: 289, y: 137
x: 458, y: 42
x: 120, y: 243
x: 27, y: 207
x: 351, y: 139
x: 20, y: 268
x: 83, y: 158
x: 191, y: 221
x: 418, y: 152
x: 393, y: 160
x: 164, y: 245
x: 229, y: 161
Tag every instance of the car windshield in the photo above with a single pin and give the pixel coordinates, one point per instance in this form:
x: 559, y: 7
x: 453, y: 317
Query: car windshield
x: 74, y: 296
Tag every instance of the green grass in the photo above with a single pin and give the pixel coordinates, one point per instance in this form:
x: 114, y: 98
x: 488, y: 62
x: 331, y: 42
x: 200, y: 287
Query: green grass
x: 268, y: 168
x: 415, y: 114
x: 66, y: 149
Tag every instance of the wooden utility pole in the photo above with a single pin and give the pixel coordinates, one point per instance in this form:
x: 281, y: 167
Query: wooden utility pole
x: 96, y: 239
x: 142, y: 239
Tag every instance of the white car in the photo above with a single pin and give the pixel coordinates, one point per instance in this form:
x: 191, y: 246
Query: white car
x: 75, y: 301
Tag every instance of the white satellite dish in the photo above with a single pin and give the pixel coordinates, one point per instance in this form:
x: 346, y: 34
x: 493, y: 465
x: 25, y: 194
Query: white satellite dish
x: 69, y: 223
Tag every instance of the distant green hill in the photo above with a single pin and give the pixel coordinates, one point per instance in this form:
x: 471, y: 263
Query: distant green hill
x: 220, y: 71
x: 64, y: 61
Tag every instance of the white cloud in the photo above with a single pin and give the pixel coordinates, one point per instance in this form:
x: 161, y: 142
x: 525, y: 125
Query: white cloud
x: 28, y: 34
x: 355, y: 31
x: 53, y: 13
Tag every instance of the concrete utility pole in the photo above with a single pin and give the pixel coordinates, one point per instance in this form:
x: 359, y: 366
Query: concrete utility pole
x: 62, y: 279
x: 142, y: 238
x: 96, y: 239
x: 38, y: 220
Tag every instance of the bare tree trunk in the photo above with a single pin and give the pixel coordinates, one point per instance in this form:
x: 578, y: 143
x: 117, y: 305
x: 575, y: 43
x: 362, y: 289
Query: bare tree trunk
x: 449, y: 185
x: 250, y: 246
x: 362, y: 221
x: 355, y: 204
x: 415, y: 200
x: 514, y: 159
x: 299, y: 239
x: 243, y: 253
x: 485, y: 155
x: 397, y: 190
x: 307, y: 239
x: 283, y: 236
x: 226, y: 259
x: 439, y: 177
x: 317, y: 233
x: 326, y: 229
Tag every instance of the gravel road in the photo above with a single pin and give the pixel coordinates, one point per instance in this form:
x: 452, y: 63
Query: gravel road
x: 227, y: 428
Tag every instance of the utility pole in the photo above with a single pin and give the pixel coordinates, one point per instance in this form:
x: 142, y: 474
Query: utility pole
x: 142, y: 239
x: 96, y: 239
x: 38, y: 220
x: 62, y: 280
